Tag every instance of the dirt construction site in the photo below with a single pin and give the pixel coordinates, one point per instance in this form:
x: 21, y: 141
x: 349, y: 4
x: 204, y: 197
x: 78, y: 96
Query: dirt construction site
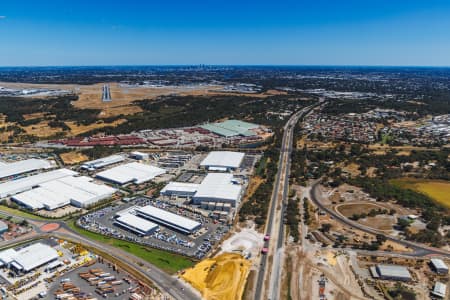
x: 220, y: 278
x: 246, y: 241
x: 225, y: 275
x: 316, y: 274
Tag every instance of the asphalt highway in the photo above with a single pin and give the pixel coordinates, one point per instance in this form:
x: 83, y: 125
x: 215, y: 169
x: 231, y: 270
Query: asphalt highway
x: 276, y: 212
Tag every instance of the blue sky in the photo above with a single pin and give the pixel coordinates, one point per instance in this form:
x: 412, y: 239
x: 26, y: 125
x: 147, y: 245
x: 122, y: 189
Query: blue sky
x: 319, y: 32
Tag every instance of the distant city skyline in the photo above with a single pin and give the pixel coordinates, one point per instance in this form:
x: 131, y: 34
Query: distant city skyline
x: 352, y: 33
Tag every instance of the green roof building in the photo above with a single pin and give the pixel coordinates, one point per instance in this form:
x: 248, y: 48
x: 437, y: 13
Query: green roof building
x: 231, y: 128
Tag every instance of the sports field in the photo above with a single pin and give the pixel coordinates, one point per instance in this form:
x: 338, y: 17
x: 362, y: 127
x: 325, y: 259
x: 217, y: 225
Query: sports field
x: 220, y: 278
x: 438, y: 190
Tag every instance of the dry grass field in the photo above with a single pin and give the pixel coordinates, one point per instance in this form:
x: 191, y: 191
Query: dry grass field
x: 34, y: 116
x: 352, y: 168
x: 438, y: 190
x: 390, y: 245
x: 76, y: 129
x: 356, y: 208
x: 4, y: 135
x: 73, y: 157
x: 219, y: 278
x: 301, y: 142
x: 380, y: 222
x: 253, y: 185
x: 41, y: 129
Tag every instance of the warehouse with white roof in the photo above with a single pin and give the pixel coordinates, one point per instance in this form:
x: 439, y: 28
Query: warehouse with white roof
x: 391, y: 272
x: 218, y: 187
x: 136, y: 224
x: 168, y: 219
x: 139, y: 155
x: 78, y: 191
x: 180, y: 189
x: 28, y: 258
x: 23, y: 184
x: 102, y: 162
x: 439, y: 290
x: 23, y: 166
x: 439, y: 266
x: 7, y: 256
x: 131, y: 173
x: 222, y: 161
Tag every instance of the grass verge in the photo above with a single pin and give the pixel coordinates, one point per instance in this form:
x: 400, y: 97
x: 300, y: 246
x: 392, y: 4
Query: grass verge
x: 166, y: 261
x: 21, y: 213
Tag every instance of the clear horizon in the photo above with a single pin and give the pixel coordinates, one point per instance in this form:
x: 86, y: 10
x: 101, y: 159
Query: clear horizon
x: 227, y: 65
x: 52, y: 33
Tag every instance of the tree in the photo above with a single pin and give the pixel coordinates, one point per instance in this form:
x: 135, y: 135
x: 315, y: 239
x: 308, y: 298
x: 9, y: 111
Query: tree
x: 403, y: 223
x: 325, y: 227
x: 381, y: 238
x: 355, y: 149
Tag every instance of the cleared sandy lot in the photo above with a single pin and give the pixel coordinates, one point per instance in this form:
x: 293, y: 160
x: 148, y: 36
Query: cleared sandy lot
x: 219, y: 278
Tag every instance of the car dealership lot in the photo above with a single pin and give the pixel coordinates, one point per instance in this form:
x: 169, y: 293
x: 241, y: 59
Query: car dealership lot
x: 195, y: 245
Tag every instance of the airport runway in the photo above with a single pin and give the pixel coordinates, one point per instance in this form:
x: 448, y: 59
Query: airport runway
x: 106, y: 93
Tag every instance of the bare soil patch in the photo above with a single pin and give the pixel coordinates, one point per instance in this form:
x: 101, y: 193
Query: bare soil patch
x: 71, y: 158
x: 380, y: 222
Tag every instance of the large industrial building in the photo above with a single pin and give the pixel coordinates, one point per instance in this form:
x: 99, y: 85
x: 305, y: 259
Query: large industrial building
x: 102, y: 162
x: 168, y: 219
x: 391, y: 272
x: 28, y: 258
x: 136, y: 224
x: 439, y: 266
x: 180, y: 189
x: 218, y: 187
x: 215, y: 187
x: 139, y: 155
x: 78, y: 191
x: 231, y: 128
x: 439, y: 290
x: 222, y: 161
x: 23, y: 166
x: 131, y: 173
x: 13, y: 187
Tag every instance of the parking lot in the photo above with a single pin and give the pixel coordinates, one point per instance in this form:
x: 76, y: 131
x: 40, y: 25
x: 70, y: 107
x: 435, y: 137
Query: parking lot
x: 196, y: 245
